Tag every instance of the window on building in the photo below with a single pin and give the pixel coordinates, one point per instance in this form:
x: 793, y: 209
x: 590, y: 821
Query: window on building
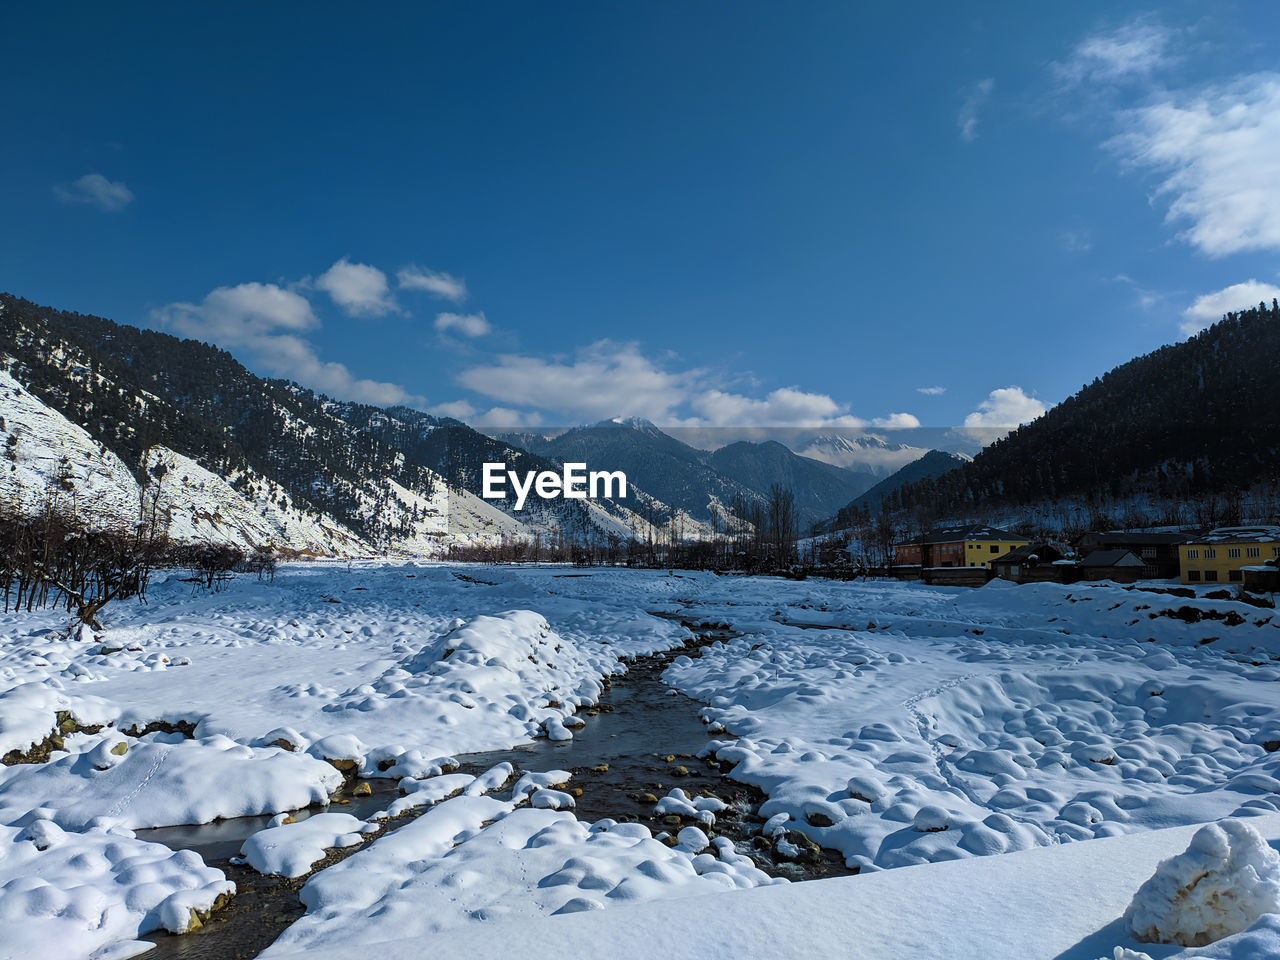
x: 1193, y: 575
x: 1210, y: 553
x: 995, y: 548
x: 1193, y: 553
x: 1150, y: 571
x: 1148, y: 552
x: 1275, y: 551
x: 1211, y: 576
x: 1233, y: 553
x: 1252, y: 552
x: 1235, y: 576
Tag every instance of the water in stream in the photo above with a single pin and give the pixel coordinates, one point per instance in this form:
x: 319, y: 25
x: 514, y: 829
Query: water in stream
x: 640, y: 740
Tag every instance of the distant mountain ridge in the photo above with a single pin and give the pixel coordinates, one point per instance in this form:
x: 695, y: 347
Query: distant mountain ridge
x: 362, y: 474
x: 867, y: 453
x: 932, y: 465
x: 704, y: 484
x: 818, y: 487
x: 670, y: 470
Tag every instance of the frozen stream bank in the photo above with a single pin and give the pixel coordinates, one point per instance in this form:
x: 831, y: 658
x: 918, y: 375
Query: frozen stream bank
x: 640, y: 741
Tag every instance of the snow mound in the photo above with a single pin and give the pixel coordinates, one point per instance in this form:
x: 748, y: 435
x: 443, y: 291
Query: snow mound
x: 65, y: 894
x: 291, y: 849
x: 475, y: 859
x: 157, y: 783
x: 1227, y: 878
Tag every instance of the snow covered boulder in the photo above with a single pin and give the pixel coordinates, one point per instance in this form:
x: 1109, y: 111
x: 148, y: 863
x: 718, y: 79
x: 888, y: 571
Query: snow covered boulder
x: 692, y: 840
x: 866, y: 788
x: 931, y: 819
x: 291, y: 849
x: 342, y: 751
x: 1227, y: 878
x: 546, y: 799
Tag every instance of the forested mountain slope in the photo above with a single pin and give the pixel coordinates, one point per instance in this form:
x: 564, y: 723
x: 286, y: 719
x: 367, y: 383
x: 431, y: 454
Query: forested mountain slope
x: 1194, y: 418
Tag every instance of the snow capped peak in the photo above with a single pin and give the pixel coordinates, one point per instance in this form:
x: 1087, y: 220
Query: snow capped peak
x: 635, y: 423
x: 867, y: 441
x: 865, y: 452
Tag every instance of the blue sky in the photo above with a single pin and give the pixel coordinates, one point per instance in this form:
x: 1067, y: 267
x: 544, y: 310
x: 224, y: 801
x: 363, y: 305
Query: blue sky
x: 759, y: 214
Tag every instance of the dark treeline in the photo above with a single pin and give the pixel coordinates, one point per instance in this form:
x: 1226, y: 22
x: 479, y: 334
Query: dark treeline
x: 753, y: 536
x: 52, y: 558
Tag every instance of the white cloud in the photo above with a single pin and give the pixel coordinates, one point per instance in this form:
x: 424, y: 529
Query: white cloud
x: 896, y: 421
x: 1216, y: 151
x: 931, y: 391
x: 975, y: 98
x: 265, y: 321
x: 1077, y: 241
x: 1004, y: 409
x: 458, y: 409
x: 95, y: 190
x: 1208, y: 309
x: 507, y: 419
x: 467, y: 324
x: 610, y: 379
x: 1146, y: 298
x: 785, y: 407
x: 1135, y: 49
x: 358, y: 288
x: 441, y: 285
x: 603, y: 380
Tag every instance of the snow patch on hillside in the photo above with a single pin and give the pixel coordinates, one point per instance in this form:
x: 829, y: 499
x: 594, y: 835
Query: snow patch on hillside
x: 202, y: 507
x: 44, y: 455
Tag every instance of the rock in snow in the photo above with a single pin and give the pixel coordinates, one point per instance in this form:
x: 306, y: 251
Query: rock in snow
x: 1227, y: 878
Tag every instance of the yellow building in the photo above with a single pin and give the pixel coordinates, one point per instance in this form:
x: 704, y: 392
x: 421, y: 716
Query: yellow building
x: 1218, y: 556
x: 960, y: 545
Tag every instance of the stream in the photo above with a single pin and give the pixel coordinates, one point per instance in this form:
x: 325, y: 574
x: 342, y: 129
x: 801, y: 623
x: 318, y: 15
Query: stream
x: 640, y: 740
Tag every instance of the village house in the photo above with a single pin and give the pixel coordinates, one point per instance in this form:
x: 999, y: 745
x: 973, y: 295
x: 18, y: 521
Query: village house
x: 1263, y: 578
x: 1123, y: 566
x: 960, y: 545
x: 1158, y: 551
x: 1221, y: 555
x: 1040, y: 562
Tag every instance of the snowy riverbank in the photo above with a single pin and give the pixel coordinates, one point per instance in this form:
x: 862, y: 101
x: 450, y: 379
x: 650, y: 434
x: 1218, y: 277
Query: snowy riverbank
x: 902, y: 725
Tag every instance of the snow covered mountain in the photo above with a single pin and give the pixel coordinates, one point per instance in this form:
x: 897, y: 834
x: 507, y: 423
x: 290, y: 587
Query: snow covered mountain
x: 43, y: 451
x: 705, y: 484
x: 47, y: 457
x: 818, y: 487
x: 867, y: 453
x: 458, y: 453
x: 671, y: 471
x: 245, y: 460
x: 932, y: 465
x: 236, y: 458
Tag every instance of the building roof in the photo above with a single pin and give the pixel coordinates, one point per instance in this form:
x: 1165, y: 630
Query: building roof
x: 963, y: 531
x: 1112, y: 558
x: 1258, y: 534
x: 1041, y: 552
x: 1138, y: 539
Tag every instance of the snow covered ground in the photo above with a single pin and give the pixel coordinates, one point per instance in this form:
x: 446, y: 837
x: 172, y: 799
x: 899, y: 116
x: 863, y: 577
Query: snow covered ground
x: 1062, y: 902
x: 900, y: 724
